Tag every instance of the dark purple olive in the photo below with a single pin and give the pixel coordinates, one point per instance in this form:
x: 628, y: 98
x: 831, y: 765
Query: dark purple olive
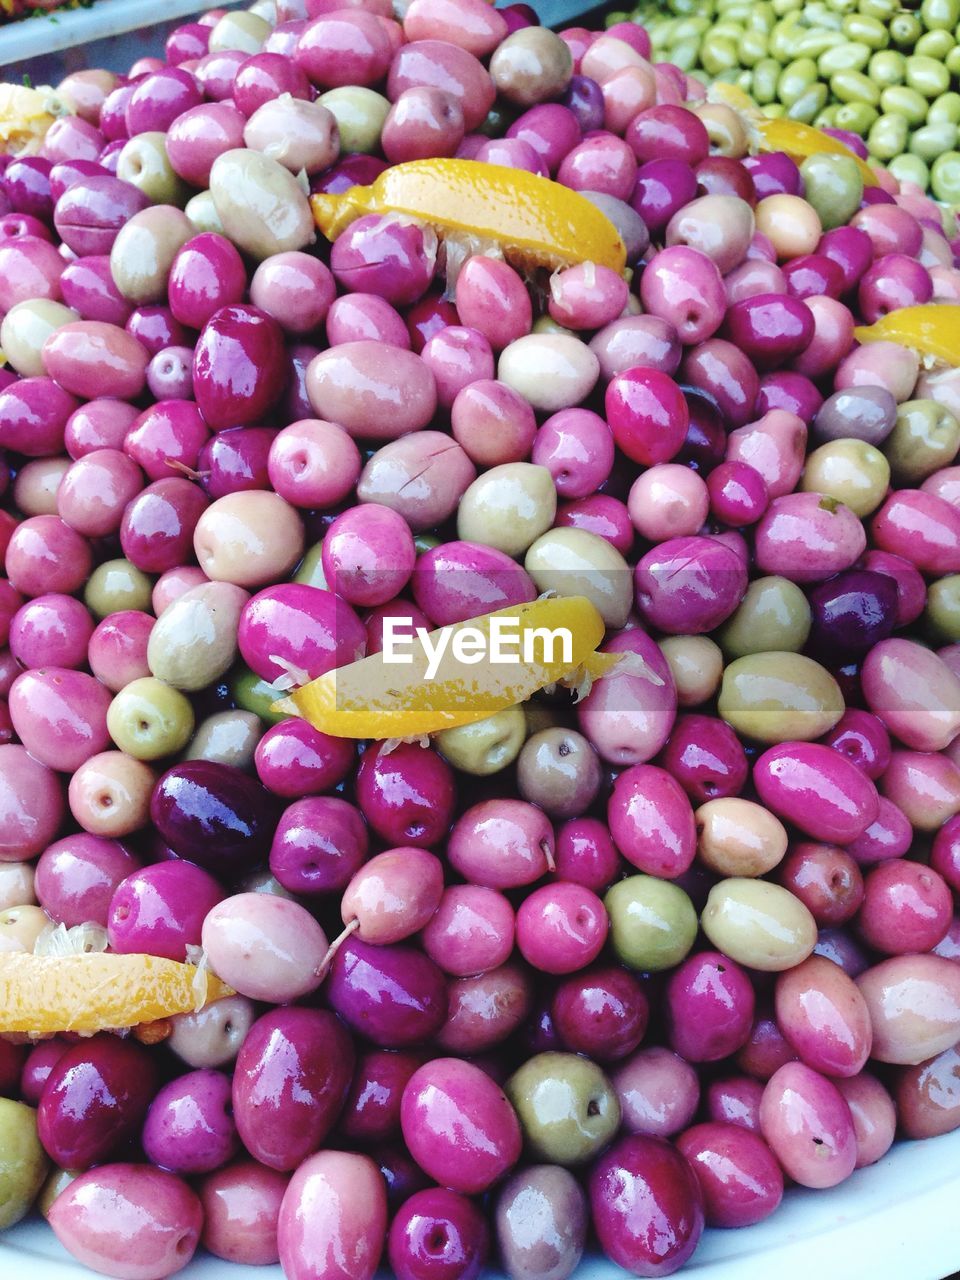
x: 215, y: 815
x: 770, y: 328
x: 663, y: 187
x: 239, y: 367
x: 89, y: 215
x: 371, y: 1112
x: 290, y: 1081
x: 395, y: 996
x: 401, y: 1173
x: 601, y: 1012
x: 234, y: 460
x: 438, y: 1235
x: 94, y: 1101
x: 706, y: 758
x: 785, y: 389
x: 706, y: 441
x: 852, y: 612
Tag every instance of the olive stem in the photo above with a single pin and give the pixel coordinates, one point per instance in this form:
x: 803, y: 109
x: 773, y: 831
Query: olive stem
x: 335, y: 946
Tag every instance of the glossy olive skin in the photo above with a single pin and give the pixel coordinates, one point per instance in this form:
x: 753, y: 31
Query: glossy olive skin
x: 214, y: 815
x: 94, y: 1100
x: 567, y: 1107
x: 541, y: 1223
x: 395, y: 996
x: 290, y: 1082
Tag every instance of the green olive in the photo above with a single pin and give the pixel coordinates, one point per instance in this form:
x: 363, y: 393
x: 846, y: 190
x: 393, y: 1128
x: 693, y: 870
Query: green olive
x: 243, y: 31
x: 888, y: 67
x: 486, y: 746
x: 863, y: 29
x: 195, y: 640
x: 854, y: 86
x: 925, y: 437
x: 718, y: 54
x: 143, y: 162
x: 910, y: 168
x: 900, y: 99
x: 202, y: 212
x: 310, y: 569
x: 945, y: 109
x: 827, y: 118
x: 573, y: 562
x: 775, y: 111
x: 795, y: 79
x: 566, y: 1106
x: 856, y: 117
x: 887, y: 137
x: 834, y: 186
x: 253, y: 693
x: 905, y: 29
x: 945, y: 177
x: 508, y: 507
x: 773, y: 615
x: 149, y: 719
x: 23, y: 1161
x: 424, y: 542
x: 806, y: 107
x: 817, y: 42
x: 932, y: 140
x: 765, y: 76
x: 116, y: 585
x: 753, y: 46
x: 652, y: 923
x: 934, y: 44
x: 845, y: 57
x: 226, y: 737
x: 883, y: 10
x: 759, y: 924
x: 779, y: 697
x: 943, y: 608
x: 696, y: 664
x: 940, y: 15
x: 952, y: 61
x: 927, y: 76
x: 850, y: 470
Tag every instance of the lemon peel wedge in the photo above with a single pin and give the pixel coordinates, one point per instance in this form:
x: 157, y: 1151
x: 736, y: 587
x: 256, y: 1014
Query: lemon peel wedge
x: 379, y: 699
x: 533, y: 221
x: 932, y: 328
x: 97, y: 991
x: 803, y: 140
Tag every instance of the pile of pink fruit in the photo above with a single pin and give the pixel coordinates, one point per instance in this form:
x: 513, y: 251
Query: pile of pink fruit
x: 615, y: 968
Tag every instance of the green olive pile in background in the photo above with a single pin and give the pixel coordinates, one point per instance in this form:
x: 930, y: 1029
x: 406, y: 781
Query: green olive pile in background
x: 875, y: 67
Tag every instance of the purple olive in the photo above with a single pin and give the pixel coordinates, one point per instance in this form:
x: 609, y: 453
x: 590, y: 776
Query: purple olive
x: 215, y: 815
x: 239, y: 367
x: 395, y: 996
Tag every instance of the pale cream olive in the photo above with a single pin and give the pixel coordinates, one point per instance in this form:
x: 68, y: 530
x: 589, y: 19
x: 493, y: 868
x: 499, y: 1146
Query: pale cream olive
x: 737, y: 837
x: 508, y: 507
x: 360, y: 114
x: 249, y: 538
x: 36, y: 485
x: 23, y: 1161
x: 16, y: 885
x: 202, y: 213
x: 227, y: 737
x: 532, y: 65
x: 144, y: 250
x: 779, y: 697
x: 724, y: 128
x: 26, y: 327
x: 925, y: 437
x: 487, y: 745
x: 696, y: 664
x: 149, y: 719
x: 551, y: 371
x: 195, y: 639
x: 943, y: 608
x: 566, y: 1106
x: 849, y: 470
x: 758, y: 924
x: 297, y: 134
x: 144, y: 163
x: 241, y: 30
x: 773, y: 614
x: 212, y: 1037
x: 116, y: 585
x: 541, y: 1223
x: 261, y: 204
x: 20, y: 927
x: 573, y: 562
